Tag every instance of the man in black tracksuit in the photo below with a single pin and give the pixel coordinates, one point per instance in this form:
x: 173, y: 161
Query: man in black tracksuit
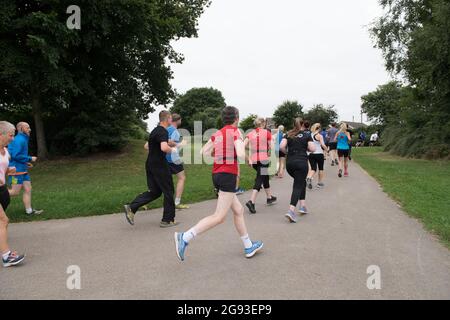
x: 159, y: 178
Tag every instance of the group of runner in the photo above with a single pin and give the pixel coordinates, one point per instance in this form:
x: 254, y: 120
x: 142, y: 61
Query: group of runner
x: 14, y: 164
x: 302, y: 150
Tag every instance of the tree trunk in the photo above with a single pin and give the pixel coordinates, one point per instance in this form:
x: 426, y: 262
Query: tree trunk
x: 37, y: 115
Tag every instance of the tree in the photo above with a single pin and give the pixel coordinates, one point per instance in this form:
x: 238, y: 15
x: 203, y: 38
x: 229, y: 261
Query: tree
x: 321, y: 114
x: 414, y: 38
x: 200, y: 104
x: 248, y: 123
x: 286, y: 113
x: 95, y: 82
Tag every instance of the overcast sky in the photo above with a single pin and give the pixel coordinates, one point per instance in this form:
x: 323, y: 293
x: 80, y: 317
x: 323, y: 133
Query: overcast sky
x: 259, y: 53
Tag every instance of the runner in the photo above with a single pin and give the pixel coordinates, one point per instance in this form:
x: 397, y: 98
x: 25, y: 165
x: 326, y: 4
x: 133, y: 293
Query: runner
x: 281, y: 154
x: 159, y: 179
x: 373, y: 139
x: 18, y: 149
x: 351, y: 133
x: 325, y: 141
x: 174, y: 160
x: 333, y: 144
x: 316, y: 158
x: 260, y: 144
x: 9, y: 258
x: 297, y: 144
x: 227, y: 145
x: 343, y: 139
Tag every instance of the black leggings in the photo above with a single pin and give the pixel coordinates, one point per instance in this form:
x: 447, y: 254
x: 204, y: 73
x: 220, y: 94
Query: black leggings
x: 4, y: 197
x: 262, y: 175
x: 298, y: 170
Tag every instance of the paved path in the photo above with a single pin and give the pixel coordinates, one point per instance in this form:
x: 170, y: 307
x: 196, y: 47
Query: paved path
x: 352, y: 225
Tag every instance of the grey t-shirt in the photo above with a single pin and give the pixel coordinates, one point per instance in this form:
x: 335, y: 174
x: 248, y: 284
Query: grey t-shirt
x: 332, y: 134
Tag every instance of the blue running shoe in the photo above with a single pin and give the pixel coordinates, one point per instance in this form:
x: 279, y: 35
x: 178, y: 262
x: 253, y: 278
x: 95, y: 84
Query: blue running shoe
x: 291, y: 216
x: 239, y: 191
x: 180, y: 245
x: 303, y: 210
x: 250, y: 252
x: 13, y: 259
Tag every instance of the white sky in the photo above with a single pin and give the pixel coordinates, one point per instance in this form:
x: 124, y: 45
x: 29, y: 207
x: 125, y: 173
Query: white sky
x: 259, y: 53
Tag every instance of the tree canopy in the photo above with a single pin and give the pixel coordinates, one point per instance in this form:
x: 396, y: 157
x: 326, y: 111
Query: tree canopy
x: 286, y: 113
x: 321, y: 114
x: 85, y: 89
x: 200, y: 104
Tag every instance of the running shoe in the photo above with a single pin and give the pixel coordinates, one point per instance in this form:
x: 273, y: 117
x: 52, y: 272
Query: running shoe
x: 250, y: 252
x: 303, y: 210
x: 332, y: 163
x: 181, y: 206
x: 340, y: 173
x: 129, y: 214
x: 13, y: 259
x: 291, y: 216
x: 239, y: 191
x: 35, y: 212
x: 346, y: 174
x: 165, y: 224
x: 271, y: 201
x: 309, y: 183
x: 320, y: 185
x: 180, y: 245
x: 336, y: 161
x: 251, y: 206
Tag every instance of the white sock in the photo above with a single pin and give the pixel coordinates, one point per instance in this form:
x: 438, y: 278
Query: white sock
x: 177, y: 201
x: 189, y: 235
x: 6, y: 255
x: 29, y: 210
x: 247, y: 242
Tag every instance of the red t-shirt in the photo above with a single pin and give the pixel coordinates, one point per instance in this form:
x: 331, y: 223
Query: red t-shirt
x: 225, y: 157
x: 259, y: 142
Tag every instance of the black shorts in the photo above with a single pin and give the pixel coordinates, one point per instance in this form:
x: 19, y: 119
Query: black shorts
x: 343, y: 153
x: 4, y: 197
x: 281, y: 154
x: 225, y: 182
x: 316, y: 160
x: 333, y: 145
x: 176, y: 168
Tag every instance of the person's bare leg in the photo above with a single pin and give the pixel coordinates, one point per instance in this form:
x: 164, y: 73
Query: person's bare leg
x: 181, y: 180
x: 340, y: 163
x: 15, y: 190
x: 321, y: 175
x: 238, y: 217
x: 224, y: 203
x: 27, y: 195
x: 4, y: 248
x: 282, y: 167
x: 254, y: 195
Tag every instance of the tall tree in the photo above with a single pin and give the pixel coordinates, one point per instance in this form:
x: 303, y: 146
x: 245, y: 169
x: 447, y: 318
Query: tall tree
x: 248, y: 122
x: 95, y: 80
x: 321, y: 114
x: 200, y: 104
x: 286, y: 113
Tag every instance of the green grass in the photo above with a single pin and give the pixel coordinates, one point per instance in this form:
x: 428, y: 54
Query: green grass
x: 422, y: 187
x: 102, y: 184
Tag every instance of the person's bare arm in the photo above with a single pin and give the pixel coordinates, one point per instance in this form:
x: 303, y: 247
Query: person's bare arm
x: 172, y: 144
x: 240, y: 148
x: 283, y: 145
x: 322, y: 144
x: 146, y: 146
x: 206, y: 150
x: 166, y: 148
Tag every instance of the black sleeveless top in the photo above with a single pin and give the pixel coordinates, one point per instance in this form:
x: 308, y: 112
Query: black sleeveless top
x: 297, y: 146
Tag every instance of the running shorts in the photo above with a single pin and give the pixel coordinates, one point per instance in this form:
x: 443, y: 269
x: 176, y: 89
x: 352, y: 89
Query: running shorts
x: 225, y: 182
x: 176, y: 168
x: 343, y: 153
x: 316, y: 160
x: 18, y: 179
x: 333, y: 145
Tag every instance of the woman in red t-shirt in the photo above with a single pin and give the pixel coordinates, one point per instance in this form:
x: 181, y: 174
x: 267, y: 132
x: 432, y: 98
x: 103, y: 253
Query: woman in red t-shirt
x: 227, y: 146
x: 260, y: 144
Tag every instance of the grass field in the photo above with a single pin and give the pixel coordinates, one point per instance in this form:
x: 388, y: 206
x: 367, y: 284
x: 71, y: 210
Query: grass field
x: 421, y: 187
x: 102, y: 184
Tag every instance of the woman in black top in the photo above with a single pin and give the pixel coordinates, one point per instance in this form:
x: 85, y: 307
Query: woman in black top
x: 295, y: 144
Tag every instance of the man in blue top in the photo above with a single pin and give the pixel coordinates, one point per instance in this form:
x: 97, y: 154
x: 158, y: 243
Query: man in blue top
x: 20, y: 159
x: 174, y: 160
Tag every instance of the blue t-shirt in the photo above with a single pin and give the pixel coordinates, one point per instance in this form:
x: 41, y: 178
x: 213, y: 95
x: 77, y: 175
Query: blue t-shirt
x: 342, y: 141
x: 175, y: 136
x: 324, y: 135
